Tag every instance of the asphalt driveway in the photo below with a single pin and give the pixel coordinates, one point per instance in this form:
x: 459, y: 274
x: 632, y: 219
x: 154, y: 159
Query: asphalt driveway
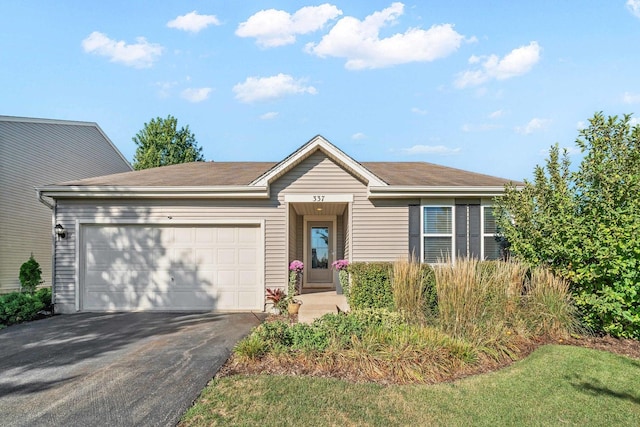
x: 116, y: 369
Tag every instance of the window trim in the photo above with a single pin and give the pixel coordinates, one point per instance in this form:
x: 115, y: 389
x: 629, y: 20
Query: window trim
x: 484, y: 232
x: 483, y: 204
x: 451, y: 234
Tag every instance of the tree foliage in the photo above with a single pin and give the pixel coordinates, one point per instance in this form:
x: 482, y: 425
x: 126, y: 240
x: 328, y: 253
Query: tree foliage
x: 160, y: 143
x: 30, y: 275
x: 585, y: 224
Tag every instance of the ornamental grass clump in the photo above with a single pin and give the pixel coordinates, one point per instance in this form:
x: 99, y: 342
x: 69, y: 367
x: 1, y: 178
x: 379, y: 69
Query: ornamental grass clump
x: 413, y: 287
x: 495, y: 304
x: 548, y: 305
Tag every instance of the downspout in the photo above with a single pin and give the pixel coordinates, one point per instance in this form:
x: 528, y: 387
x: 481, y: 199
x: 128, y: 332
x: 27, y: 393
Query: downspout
x: 53, y: 206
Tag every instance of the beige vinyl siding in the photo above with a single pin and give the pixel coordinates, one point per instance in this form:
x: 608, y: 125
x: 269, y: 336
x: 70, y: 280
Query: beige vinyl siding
x: 299, y: 253
x: 347, y: 234
x: 293, y: 235
x: 33, y: 153
x: 380, y: 231
x: 339, y: 238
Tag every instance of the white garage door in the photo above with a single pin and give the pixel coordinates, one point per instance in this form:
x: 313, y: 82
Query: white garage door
x: 134, y: 267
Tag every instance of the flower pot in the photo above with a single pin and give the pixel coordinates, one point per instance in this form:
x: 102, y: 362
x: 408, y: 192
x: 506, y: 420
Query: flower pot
x: 294, y: 307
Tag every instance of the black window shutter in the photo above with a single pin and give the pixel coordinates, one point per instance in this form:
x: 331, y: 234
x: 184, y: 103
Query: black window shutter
x: 474, y: 231
x: 414, y: 232
x: 461, y: 231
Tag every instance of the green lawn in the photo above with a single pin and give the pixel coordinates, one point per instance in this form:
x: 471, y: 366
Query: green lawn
x: 556, y: 385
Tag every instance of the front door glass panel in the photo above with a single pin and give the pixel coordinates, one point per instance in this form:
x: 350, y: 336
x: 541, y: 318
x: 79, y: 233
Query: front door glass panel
x: 320, y: 248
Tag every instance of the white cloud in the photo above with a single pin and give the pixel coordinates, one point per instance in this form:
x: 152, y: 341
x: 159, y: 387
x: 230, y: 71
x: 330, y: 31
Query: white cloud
x: 419, y: 111
x: 631, y: 98
x: 265, y: 88
x: 141, y: 54
x: 634, y: 7
x: 484, y: 127
x: 273, y: 27
x: 496, y: 114
x: 360, y: 43
x: 581, y: 125
x: 196, y: 94
x: 165, y: 88
x: 430, y: 149
x: 517, y: 62
x: 193, y: 22
x: 269, y: 116
x: 534, y: 125
x: 359, y: 135
x: 634, y: 121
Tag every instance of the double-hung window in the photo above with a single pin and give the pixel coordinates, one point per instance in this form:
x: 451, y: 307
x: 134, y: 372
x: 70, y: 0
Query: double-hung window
x: 437, y: 233
x: 491, y: 247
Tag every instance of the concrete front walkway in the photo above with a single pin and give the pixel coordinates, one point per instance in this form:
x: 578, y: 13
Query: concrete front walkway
x: 112, y: 369
x: 316, y: 304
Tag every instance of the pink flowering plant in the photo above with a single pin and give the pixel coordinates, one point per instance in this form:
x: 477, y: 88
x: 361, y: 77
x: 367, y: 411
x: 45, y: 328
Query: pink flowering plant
x: 296, y: 266
x: 340, y: 264
x: 295, y: 275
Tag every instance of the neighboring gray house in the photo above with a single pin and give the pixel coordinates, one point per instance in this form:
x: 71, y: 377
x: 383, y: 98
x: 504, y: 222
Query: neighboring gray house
x: 35, y: 152
x: 214, y: 235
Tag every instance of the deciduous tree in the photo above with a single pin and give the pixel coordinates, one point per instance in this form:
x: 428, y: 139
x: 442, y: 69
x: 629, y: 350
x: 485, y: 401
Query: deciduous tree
x: 160, y: 143
x: 585, y: 224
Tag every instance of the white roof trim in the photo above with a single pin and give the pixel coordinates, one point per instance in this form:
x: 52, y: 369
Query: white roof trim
x: 391, y: 192
x: 305, y: 151
x: 201, y: 192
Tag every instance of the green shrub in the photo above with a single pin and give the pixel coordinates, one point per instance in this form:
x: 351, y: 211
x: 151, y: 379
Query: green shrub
x: 30, y: 275
x: 309, y: 338
x: 274, y: 334
x: 341, y: 328
x: 377, y: 317
x: 19, y: 307
x: 370, y: 285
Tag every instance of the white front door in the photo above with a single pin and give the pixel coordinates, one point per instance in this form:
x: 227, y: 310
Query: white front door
x: 320, y: 253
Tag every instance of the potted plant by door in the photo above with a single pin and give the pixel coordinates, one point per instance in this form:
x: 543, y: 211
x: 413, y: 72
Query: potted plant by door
x: 277, y: 298
x: 295, y: 276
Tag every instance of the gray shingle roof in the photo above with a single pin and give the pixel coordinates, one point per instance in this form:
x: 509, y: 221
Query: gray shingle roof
x: 242, y: 173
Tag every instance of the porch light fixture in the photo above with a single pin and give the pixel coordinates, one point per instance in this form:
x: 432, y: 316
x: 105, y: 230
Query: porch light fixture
x: 59, y: 230
x: 319, y: 209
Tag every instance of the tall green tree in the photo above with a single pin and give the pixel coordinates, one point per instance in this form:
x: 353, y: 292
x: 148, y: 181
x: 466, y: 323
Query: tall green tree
x: 585, y: 224
x: 161, y: 143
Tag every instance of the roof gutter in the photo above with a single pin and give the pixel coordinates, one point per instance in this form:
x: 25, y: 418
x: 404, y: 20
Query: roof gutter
x: 395, y: 192
x: 42, y: 200
x: 195, y: 192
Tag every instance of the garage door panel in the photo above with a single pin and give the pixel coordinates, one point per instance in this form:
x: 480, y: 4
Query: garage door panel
x: 171, y: 268
x: 205, y: 235
x: 182, y: 257
x: 246, y: 278
x: 247, y: 300
x: 248, y: 235
x: 205, y: 256
x: 226, y: 256
x: 247, y: 256
x: 226, y: 235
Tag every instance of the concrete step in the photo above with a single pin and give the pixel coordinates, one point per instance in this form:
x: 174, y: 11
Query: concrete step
x: 315, y: 305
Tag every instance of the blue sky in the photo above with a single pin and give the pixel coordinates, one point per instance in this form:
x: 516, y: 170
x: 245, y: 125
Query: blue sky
x: 485, y: 86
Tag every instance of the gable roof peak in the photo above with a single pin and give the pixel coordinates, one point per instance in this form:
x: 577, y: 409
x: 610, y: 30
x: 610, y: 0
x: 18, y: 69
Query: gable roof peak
x: 316, y: 143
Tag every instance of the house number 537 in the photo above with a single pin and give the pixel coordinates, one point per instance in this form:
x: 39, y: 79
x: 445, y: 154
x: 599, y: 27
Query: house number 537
x: 318, y: 198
